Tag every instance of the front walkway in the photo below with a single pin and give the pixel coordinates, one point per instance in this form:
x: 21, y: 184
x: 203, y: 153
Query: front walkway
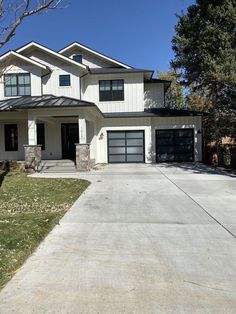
x: 141, y: 239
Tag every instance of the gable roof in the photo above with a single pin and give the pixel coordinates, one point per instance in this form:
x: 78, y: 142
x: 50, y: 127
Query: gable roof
x: 17, y: 55
x: 96, y: 53
x: 52, y: 52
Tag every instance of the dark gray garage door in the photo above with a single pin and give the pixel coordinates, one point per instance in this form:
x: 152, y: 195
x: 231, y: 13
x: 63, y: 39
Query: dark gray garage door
x: 125, y: 146
x: 175, y: 145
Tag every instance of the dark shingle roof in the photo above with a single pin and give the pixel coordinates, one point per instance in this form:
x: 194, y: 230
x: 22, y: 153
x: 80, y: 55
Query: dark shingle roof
x: 46, y: 101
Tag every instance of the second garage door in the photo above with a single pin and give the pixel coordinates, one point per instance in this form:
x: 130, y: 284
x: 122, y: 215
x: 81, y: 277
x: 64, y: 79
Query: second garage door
x: 175, y: 145
x: 125, y: 146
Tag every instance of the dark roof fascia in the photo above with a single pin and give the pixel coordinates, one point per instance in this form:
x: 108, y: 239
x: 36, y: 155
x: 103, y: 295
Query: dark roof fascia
x: 76, y: 42
x: 99, y: 71
x: 153, y: 80
x: 163, y: 112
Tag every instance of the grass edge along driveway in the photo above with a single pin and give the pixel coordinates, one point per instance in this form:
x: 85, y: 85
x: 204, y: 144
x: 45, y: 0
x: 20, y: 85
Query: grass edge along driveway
x: 29, y: 209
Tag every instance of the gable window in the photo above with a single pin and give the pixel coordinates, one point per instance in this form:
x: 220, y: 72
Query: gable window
x: 77, y: 58
x: 111, y: 90
x: 41, y: 135
x: 64, y: 80
x: 17, y: 84
x: 11, y: 137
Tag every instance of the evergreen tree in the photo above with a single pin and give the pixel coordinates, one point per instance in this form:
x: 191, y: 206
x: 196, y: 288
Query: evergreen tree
x: 174, y: 97
x: 205, y: 54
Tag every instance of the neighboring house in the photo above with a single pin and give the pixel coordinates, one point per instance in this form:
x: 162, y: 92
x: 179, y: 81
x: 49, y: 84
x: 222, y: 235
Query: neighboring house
x: 112, y: 111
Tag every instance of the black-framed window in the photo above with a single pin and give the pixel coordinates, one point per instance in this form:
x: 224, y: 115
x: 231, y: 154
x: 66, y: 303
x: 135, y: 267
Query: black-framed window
x: 111, y: 90
x: 64, y: 80
x: 41, y: 135
x: 11, y: 137
x: 17, y: 84
x: 78, y: 58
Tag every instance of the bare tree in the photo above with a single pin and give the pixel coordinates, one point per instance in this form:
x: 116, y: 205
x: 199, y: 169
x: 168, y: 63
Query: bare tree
x: 12, y: 14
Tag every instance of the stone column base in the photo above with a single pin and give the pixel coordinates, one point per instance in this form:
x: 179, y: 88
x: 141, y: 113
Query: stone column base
x: 83, y: 157
x: 33, y: 156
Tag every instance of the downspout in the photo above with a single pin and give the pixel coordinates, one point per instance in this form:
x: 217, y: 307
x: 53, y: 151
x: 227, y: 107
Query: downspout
x: 49, y: 72
x: 81, y: 82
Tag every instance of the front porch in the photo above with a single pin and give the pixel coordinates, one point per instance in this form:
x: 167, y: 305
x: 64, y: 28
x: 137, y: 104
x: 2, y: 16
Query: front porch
x: 39, y: 132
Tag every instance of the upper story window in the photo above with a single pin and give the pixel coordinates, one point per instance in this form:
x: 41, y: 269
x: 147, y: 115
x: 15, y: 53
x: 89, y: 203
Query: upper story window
x: 78, y: 58
x: 64, y: 80
x: 17, y: 84
x: 111, y: 90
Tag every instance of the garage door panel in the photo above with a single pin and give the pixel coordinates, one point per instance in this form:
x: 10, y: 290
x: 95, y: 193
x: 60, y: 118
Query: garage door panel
x: 166, y: 157
x: 114, y: 135
x: 166, y: 150
x: 125, y: 146
x: 134, y: 158
x: 183, y: 133
x: 116, y: 150
x: 135, y: 150
x: 117, y: 142
x: 164, y: 134
x: 135, y: 142
x: 183, y: 149
x: 175, y: 145
x: 132, y: 134
x: 165, y: 141
x: 117, y: 158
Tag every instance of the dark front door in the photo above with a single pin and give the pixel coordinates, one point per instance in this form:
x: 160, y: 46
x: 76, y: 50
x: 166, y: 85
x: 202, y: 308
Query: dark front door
x: 69, y: 136
x: 175, y: 145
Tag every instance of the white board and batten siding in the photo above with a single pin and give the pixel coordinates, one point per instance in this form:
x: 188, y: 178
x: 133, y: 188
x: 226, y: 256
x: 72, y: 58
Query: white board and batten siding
x: 154, y: 96
x: 149, y: 126
x: 88, y: 59
x: 133, y: 92
x: 50, y: 82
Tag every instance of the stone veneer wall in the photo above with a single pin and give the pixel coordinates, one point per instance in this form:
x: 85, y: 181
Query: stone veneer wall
x: 33, y: 156
x: 83, y: 157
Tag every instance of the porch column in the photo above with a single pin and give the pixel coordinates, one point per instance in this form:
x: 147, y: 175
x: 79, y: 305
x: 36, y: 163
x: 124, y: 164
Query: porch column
x: 82, y: 148
x: 32, y: 131
x: 32, y: 150
x: 82, y: 131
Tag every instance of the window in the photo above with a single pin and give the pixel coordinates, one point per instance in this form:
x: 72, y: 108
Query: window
x: 64, y: 80
x: 11, y: 137
x: 78, y: 58
x: 111, y: 90
x: 41, y: 135
x: 17, y: 84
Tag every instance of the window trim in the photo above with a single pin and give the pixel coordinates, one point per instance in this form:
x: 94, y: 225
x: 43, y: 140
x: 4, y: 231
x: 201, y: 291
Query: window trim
x: 8, y: 148
x: 60, y: 75
x: 111, y: 91
x: 17, y: 85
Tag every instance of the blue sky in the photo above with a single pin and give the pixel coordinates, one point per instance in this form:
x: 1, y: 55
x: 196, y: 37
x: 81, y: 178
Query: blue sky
x: 136, y: 32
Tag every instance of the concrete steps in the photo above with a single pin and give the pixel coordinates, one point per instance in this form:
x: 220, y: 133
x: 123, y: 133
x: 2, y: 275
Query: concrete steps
x: 57, y: 166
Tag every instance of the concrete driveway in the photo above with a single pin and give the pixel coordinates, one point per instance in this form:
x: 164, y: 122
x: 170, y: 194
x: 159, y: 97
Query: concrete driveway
x: 142, y: 239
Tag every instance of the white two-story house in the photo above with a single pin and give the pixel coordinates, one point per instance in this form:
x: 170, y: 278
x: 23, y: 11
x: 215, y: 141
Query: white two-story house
x: 80, y: 100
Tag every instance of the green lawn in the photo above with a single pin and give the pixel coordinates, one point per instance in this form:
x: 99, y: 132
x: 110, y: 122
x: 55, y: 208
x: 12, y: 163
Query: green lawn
x: 29, y: 208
